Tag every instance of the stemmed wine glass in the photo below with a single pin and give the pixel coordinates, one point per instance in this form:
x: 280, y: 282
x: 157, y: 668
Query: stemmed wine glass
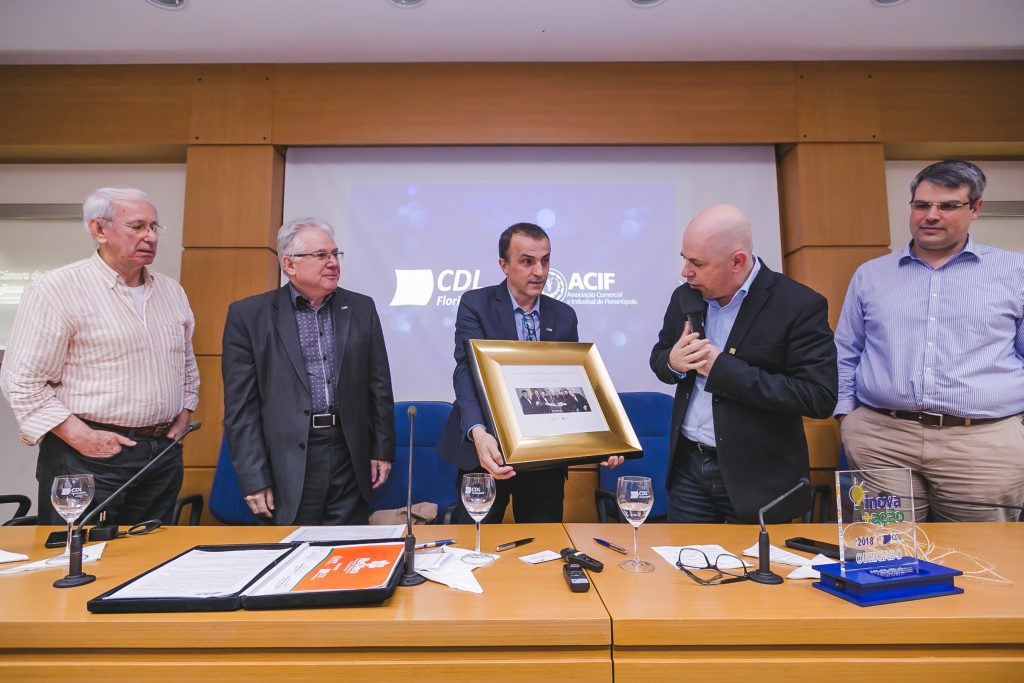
x: 635, y: 497
x: 71, y: 495
x: 478, y: 496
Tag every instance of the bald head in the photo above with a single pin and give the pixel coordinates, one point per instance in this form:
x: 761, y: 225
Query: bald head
x: 723, y: 228
x: 718, y: 252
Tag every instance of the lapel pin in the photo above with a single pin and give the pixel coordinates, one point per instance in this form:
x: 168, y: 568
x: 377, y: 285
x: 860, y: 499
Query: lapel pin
x: 732, y: 351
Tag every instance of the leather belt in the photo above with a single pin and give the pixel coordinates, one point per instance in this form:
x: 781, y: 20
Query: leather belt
x: 157, y: 431
x: 324, y: 420
x: 703, y: 448
x: 934, y: 420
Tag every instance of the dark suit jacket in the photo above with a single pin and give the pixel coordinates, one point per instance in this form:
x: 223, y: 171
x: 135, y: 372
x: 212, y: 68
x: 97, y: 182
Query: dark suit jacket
x: 267, y: 403
x: 487, y: 313
x: 779, y: 364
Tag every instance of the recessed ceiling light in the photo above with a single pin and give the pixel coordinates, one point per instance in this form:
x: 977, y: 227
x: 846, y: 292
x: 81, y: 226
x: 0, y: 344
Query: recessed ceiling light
x: 887, y: 3
x: 167, y: 4
x: 407, y: 4
x: 645, y: 4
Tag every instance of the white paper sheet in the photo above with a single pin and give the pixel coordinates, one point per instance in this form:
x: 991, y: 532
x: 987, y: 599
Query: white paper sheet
x: 810, y: 572
x: 367, y: 532
x: 201, y: 574
x: 780, y: 556
x: 90, y: 553
x: 6, y: 556
x: 670, y: 553
x: 448, y: 568
x: 542, y: 556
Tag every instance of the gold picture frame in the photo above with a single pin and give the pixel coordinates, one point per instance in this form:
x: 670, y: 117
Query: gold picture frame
x: 579, y: 418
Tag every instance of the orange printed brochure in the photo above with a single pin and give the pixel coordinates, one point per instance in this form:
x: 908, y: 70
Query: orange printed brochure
x: 353, y: 567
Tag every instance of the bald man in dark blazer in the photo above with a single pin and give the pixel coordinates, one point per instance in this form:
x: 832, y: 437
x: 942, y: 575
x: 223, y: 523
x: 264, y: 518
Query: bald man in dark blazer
x: 766, y: 360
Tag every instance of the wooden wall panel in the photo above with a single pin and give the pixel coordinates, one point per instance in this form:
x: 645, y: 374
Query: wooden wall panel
x: 231, y: 104
x: 654, y: 103
x: 94, y: 105
x: 579, y: 495
x: 203, y: 446
x: 198, y: 480
x: 213, y: 278
x: 233, y: 196
x: 836, y: 102
x: 833, y: 194
x: 822, y: 442
x: 828, y: 271
x: 950, y: 101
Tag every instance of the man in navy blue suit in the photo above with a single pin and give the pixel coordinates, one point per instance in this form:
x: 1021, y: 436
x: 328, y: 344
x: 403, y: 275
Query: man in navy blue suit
x: 512, y: 310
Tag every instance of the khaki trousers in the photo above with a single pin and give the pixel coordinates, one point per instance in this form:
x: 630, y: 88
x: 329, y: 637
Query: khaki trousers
x: 983, y: 463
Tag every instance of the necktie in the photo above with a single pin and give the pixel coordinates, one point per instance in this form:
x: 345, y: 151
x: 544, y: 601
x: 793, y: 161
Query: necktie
x: 528, y: 329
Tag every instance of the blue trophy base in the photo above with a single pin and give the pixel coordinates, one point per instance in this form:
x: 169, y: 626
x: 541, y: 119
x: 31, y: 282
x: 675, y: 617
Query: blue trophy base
x: 865, y: 589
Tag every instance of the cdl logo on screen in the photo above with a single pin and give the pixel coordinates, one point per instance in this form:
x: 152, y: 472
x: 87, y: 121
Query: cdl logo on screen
x: 416, y: 287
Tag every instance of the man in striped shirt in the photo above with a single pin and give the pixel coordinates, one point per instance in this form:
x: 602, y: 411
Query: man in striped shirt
x: 99, y: 368
x: 931, y: 358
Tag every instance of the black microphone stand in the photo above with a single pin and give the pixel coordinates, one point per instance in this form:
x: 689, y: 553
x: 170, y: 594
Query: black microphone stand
x: 409, y: 575
x: 764, y: 573
x: 75, y: 575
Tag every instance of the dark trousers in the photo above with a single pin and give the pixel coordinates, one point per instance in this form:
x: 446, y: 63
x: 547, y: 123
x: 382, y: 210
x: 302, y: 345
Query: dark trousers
x: 696, y: 492
x: 537, y: 497
x: 330, y: 492
x: 152, y: 497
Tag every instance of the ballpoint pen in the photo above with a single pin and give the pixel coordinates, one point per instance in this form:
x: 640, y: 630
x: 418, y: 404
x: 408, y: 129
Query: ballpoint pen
x: 435, y: 544
x: 609, y: 544
x: 513, y: 544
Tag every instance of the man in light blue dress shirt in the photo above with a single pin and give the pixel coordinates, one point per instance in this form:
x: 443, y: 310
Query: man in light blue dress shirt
x: 931, y: 358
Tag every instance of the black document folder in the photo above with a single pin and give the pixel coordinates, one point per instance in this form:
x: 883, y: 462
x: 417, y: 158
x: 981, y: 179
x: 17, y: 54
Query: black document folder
x: 273, y: 576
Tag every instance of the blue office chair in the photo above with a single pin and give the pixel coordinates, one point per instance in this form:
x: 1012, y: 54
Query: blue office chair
x: 226, y: 501
x: 433, y: 479
x: 650, y: 413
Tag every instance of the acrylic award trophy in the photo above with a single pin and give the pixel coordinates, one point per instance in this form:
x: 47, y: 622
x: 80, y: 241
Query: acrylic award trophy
x: 878, y: 542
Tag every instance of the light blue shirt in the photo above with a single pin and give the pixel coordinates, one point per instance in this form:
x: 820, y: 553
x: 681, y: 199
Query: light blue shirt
x: 520, y: 314
x: 698, y: 423
x: 947, y: 340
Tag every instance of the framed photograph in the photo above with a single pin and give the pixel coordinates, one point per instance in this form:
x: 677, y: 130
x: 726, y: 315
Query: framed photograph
x: 550, y: 403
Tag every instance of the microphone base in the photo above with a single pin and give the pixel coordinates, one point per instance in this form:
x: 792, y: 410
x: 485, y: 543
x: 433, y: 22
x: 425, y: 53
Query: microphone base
x: 770, y: 578
x: 70, y: 581
x: 413, y: 579
x: 409, y: 575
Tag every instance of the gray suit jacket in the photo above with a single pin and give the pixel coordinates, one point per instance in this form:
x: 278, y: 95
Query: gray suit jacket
x: 267, y: 403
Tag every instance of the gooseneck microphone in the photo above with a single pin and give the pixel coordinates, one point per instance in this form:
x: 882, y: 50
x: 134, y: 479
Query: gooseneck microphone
x: 764, y: 573
x: 75, y: 575
x: 409, y: 576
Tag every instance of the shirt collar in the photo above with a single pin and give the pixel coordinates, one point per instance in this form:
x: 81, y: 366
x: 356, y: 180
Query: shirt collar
x: 517, y: 307
x: 741, y: 293
x: 111, y: 276
x: 905, y: 254
x: 296, y: 296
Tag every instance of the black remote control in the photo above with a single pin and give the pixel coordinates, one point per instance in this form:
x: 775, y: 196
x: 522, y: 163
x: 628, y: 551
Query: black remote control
x: 576, y: 578
x: 573, y: 555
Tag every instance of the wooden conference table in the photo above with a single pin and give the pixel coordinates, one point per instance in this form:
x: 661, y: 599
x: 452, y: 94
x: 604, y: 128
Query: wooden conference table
x: 526, y: 625
x: 668, y: 628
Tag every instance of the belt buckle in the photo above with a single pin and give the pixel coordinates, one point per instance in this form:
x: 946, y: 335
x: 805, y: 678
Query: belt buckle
x: 328, y: 420
x: 937, y: 416
x: 704, y: 449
